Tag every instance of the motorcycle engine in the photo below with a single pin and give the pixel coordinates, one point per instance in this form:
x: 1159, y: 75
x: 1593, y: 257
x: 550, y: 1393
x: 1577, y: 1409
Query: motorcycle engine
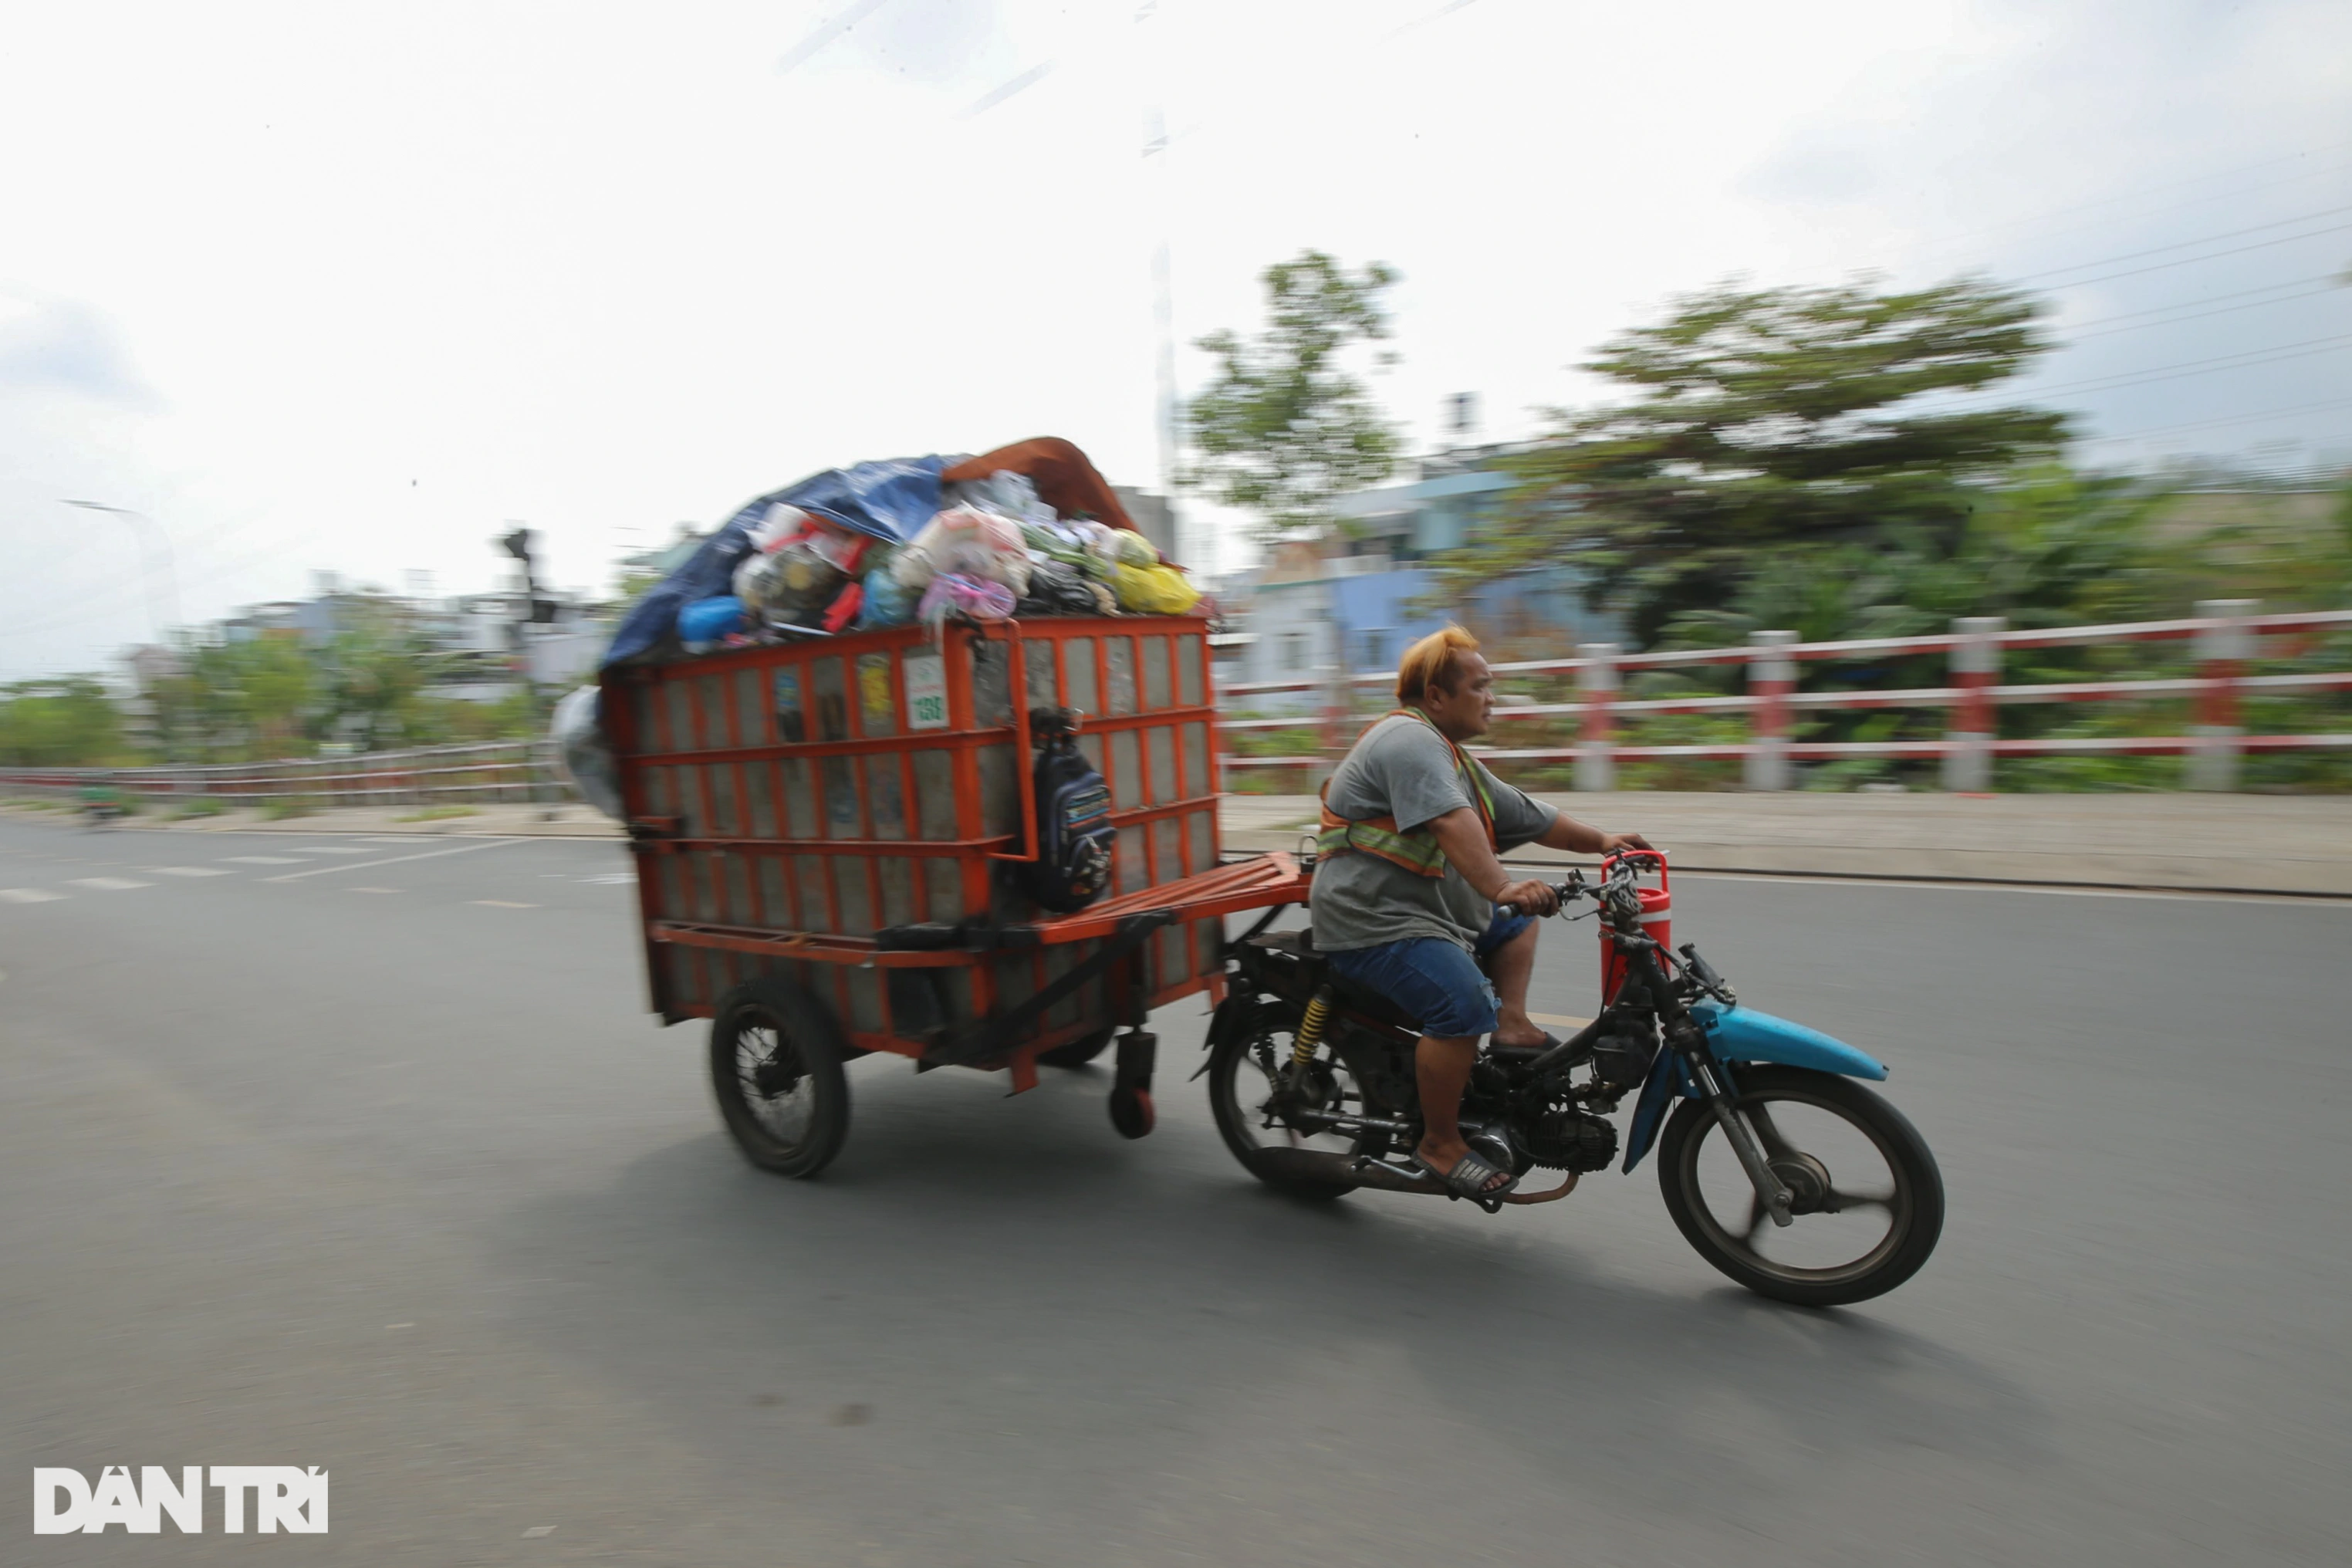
x: 1566, y: 1139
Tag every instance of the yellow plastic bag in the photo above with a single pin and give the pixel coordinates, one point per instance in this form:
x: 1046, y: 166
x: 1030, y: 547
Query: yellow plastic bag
x: 1153, y: 590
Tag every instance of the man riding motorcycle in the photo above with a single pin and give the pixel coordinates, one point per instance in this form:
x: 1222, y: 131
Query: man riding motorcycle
x: 1408, y: 874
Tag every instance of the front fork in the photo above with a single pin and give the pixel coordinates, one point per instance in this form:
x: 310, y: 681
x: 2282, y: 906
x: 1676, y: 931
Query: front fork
x: 1688, y: 1042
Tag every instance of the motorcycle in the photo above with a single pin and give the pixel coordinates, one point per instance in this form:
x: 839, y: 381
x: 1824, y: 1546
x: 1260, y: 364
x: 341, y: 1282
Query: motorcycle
x: 1782, y: 1170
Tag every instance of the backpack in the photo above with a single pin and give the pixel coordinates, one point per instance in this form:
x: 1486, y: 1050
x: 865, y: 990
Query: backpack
x: 1074, y: 831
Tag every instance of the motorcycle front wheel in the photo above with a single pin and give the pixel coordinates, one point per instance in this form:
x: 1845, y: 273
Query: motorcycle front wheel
x: 1868, y: 1199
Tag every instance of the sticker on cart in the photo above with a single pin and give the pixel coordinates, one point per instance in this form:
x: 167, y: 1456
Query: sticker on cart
x: 927, y: 690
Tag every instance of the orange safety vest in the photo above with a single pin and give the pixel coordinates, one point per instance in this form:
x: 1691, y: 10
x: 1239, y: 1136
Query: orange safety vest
x: 1418, y: 851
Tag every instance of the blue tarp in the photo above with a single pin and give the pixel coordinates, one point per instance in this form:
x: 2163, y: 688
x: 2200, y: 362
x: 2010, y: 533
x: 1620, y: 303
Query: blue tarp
x: 891, y: 499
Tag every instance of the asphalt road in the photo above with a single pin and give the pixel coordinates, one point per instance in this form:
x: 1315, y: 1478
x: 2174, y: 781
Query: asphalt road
x: 373, y: 1161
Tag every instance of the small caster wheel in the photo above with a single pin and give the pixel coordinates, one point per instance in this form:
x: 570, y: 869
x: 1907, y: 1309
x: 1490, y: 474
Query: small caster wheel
x: 1132, y: 1112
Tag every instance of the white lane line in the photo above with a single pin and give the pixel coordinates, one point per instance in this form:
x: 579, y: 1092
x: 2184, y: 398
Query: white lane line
x: 106, y: 884
x: 1557, y: 1020
x: 268, y: 859
x: 501, y: 904
x: 28, y: 895
x: 186, y: 872
x: 608, y: 876
x: 397, y: 859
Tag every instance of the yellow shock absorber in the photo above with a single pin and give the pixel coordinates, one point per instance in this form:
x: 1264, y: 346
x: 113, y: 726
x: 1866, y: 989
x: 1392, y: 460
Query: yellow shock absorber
x: 1310, y: 1027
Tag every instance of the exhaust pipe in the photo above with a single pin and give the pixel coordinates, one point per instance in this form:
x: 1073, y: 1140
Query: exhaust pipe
x: 1311, y: 1167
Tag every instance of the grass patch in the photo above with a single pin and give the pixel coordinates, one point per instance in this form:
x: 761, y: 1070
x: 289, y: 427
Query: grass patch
x: 200, y: 807
x: 439, y: 812
x: 284, y: 808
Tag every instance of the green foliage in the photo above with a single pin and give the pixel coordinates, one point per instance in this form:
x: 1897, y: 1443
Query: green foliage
x: 1284, y: 427
x: 199, y: 806
x: 437, y: 813
x: 68, y: 722
x: 1766, y: 420
x: 371, y: 686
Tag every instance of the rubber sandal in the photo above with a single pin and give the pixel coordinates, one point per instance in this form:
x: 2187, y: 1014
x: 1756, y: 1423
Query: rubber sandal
x: 1468, y: 1179
x: 1547, y: 1043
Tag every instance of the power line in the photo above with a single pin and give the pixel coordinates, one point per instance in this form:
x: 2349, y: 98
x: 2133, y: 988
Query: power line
x: 2244, y: 360
x: 1953, y: 241
x: 2329, y: 278
x: 2233, y: 419
x: 2200, y: 315
x: 2186, y: 244
x: 2209, y: 256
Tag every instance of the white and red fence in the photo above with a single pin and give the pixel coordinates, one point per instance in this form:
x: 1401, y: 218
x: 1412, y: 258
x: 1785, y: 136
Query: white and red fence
x: 490, y: 772
x: 2226, y: 634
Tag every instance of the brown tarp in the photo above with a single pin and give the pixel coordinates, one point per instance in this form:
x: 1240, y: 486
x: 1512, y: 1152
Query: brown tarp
x: 1065, y: 480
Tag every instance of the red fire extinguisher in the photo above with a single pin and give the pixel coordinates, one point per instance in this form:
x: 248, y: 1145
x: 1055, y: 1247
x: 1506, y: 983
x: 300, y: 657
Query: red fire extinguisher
x: 1657, y: 923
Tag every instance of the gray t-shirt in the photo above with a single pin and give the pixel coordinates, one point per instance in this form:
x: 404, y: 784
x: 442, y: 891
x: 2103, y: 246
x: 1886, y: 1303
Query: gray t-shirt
x: 1402, y: 768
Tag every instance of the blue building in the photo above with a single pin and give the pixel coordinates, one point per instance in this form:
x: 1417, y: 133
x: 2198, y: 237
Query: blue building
x: 1357, y: 600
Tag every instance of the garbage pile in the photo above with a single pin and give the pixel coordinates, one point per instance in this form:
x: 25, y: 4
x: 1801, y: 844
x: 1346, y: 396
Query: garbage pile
x: 1027, y: 531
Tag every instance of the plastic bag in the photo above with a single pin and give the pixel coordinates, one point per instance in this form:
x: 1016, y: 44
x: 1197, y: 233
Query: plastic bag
x: 967, y: 542
x: 1155, y: 590
x: 779, y: 523
x: 953, y: 594
x: 806, y: 582
x: 888, y: 601
x: 1058, y: 589
x: 1005, y: 492
x: 703, y: 622
x: 587, y: 755
x: 1134, y: 549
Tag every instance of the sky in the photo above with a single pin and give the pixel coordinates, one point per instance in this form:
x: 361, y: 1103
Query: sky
x: 353, y: 289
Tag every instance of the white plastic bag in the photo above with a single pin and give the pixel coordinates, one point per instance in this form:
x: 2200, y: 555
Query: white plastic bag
x: 587, y: 755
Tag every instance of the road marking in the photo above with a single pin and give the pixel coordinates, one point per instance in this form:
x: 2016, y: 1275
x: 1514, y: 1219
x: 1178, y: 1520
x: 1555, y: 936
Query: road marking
x: 536, y: 1531
x: 107, y: 884
x: 608, y: 876
x: 28, y: 895
x: 266, y: 859
x: 186, y: 872
x: 1557, y: 1020
x: 397, y: 859
x: 501, y: 904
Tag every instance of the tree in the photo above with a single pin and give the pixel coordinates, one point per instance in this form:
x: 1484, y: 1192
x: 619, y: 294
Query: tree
x: 64, y: 721
x: 1285, y: 426
x: 1762, y: 420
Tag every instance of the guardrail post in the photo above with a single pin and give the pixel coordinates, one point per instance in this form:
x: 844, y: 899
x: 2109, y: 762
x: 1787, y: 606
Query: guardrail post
x: 1770, y: 674
x: 1338, y: 700
x: 1976, y: 665
x: 2223, y: 650
x: 1596, y: 758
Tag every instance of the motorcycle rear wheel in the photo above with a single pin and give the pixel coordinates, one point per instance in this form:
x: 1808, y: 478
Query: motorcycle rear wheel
x: 1846, y: 1125
x: 1239, y: 1087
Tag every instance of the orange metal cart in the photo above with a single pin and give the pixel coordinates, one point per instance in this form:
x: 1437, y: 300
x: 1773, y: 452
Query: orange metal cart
x: 828, y: 822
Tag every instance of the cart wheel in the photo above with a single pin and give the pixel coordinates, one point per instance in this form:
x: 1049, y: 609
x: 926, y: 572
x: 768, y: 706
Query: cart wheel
x: 1079, y: 1052
x: 775, y: 1066
x: 1132, y: 1112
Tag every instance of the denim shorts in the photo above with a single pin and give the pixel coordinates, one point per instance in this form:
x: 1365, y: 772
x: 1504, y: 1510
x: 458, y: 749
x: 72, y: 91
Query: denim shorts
x: 1433, y: 980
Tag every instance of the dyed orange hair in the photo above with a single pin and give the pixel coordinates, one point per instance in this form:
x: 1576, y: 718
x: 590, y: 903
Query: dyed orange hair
x: 1434, y: 660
